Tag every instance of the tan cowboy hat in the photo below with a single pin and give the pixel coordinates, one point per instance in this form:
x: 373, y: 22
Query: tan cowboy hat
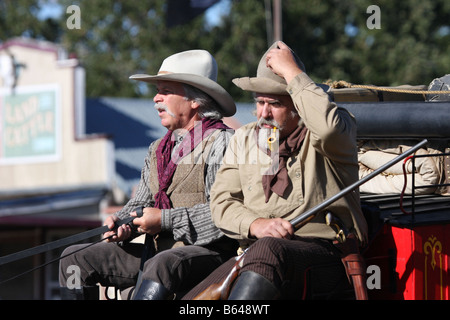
x: 266, y: 81
x: 197, y: 68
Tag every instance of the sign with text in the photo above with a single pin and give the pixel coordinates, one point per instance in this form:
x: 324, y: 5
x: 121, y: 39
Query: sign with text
x: 29, y: 124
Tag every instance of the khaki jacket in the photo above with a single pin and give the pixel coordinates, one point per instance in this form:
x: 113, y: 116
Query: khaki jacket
x: 326, y: 163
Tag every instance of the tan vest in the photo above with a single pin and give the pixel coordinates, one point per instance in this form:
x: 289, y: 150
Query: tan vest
x: 188, y: 182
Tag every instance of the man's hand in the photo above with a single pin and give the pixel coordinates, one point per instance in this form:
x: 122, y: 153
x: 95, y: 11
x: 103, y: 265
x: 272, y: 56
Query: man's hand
x: 277, y: 227
x: 150, y: 222
x: 123, y: 232
x: 282, y: 62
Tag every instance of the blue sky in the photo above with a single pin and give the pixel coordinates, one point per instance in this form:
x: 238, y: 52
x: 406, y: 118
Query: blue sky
x: 52, y: 9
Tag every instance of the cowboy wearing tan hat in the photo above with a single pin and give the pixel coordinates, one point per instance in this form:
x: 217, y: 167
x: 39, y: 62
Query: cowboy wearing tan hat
x: 173, y: 192
x: 316, y: 147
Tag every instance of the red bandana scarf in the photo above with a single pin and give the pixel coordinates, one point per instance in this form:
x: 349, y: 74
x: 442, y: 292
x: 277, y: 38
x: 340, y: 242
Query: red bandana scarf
x: 166, y: 165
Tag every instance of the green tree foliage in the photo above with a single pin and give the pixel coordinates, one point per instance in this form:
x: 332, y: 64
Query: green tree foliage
x: 116, y: 40
x: 119, y: 38
x: 124, y: 37
x: 19, y: 18
x: 412, y: 46
x: 239, y: 43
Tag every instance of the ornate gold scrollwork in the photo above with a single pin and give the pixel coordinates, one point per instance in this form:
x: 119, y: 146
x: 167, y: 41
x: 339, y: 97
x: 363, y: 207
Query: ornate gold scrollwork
x: 434, y: 247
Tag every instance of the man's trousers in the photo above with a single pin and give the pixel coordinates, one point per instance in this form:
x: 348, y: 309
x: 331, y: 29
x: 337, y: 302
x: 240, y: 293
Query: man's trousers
x: 300, y: 269
x: 110, y: 264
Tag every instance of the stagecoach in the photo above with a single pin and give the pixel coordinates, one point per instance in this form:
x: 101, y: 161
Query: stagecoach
x: 408, y: 205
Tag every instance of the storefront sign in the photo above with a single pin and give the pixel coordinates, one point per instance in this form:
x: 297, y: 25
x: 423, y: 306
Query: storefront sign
x: 29, y: 124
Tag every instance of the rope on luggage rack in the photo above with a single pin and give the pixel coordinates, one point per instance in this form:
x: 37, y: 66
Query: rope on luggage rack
x: 344, y: 84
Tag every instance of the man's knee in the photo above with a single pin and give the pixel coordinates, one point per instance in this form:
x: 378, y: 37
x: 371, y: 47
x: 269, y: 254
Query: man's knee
x: 160, y: 267
x: 67, y: 261
x: 181, y: 267
x: 265, y: 248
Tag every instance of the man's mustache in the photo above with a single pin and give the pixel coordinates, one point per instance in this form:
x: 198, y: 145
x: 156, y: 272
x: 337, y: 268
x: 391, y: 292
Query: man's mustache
x: 161, y: 106
x: 262, y: 121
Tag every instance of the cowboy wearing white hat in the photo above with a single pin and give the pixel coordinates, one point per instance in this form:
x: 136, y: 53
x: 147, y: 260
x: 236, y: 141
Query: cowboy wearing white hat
x: 174, y: 189
x: 197, y: 68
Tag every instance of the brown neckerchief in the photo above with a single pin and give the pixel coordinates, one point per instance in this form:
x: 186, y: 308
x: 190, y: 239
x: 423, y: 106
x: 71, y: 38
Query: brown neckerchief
x: 279, y: 181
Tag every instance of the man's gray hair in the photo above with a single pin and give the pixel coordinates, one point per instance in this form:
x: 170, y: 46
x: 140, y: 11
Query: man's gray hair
x: 208, y: 107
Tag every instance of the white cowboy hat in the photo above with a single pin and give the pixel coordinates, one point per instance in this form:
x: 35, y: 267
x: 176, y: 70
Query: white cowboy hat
x: 197, y: 68
x: 266, y: 81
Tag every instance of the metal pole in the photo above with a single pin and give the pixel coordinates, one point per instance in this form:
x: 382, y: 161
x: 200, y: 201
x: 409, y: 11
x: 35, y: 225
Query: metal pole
x: 277, y: 20
x: 296, y: 222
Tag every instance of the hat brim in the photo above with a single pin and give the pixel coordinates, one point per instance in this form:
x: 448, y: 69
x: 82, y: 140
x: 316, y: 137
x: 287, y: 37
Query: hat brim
x: 210, y: 87
x: 261, y: 85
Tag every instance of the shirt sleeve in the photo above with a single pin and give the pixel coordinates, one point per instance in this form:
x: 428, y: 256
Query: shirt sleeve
x: 194, y: 225
x: 333, y: 129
